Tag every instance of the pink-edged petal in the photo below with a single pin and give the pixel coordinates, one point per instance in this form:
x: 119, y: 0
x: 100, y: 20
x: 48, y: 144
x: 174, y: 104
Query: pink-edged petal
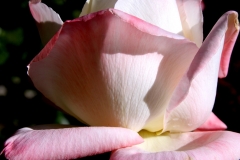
x: 120, y: 73
x: 220, y: 145
x: 192, y: 20
x: 67, y: 143
x: 194, y: 97
x: 97, y: 5
x: 48, y: 21
x: 213, y: 123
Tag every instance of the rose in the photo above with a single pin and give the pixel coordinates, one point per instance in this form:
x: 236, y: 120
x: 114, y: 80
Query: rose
x: 112, y: 69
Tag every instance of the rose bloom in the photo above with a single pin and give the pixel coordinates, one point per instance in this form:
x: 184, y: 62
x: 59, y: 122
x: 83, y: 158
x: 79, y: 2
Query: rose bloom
x: 139, y: 75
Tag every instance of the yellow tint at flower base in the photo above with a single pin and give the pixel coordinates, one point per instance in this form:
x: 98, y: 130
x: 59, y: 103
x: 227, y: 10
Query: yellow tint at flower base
x: 138, y: 73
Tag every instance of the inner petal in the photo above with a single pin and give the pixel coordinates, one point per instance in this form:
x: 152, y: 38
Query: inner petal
x: 161, y: 13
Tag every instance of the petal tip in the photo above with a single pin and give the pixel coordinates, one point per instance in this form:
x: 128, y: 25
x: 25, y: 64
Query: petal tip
x: 233, y: 19
x: 236, y: 23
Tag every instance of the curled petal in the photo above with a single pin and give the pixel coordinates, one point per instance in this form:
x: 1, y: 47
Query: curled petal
x: 120, y: 73
x: 230, y: 39
x: 194, y: 97
x: 48, y: 21
x: 220, y: 145
x: 67, y: 143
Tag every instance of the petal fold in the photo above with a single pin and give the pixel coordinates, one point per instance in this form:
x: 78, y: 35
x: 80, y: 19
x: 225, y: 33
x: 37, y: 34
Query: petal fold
x: 48, y: 21
x: 192, y: 102
x: 220, y: 145
x: 67, y: 143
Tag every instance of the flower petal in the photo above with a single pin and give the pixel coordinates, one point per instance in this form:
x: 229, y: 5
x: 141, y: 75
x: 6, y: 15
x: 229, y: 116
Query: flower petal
x: 67, y: 143
x: 97, y: 5
x: 177, y: 16
x: 220, y: 145
x: 212, y: 123
x: 161, y: 13
x: 192, y: 20
x: 194, y: 97
x: 115, y: 74
x: 48, y: 21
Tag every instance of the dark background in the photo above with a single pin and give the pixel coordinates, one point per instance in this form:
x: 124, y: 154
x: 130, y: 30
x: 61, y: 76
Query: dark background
x: 22, y: 105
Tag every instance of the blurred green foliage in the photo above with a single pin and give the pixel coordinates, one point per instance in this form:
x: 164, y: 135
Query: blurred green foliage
x: 9, y: 37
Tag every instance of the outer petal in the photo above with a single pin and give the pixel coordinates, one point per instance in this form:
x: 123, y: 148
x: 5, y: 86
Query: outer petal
x: 194, y: 97
x: 212, y: 123
x: 219, y: 145
x: 48, y: 21
x: 67, y: 143
x: 121, y: 73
